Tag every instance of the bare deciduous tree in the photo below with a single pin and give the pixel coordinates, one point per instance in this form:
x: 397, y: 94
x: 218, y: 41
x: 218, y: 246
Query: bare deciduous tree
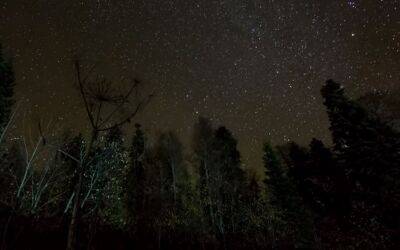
x: 106, y: 108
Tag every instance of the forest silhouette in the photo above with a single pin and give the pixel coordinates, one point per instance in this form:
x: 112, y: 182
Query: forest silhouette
x: 106, y: 189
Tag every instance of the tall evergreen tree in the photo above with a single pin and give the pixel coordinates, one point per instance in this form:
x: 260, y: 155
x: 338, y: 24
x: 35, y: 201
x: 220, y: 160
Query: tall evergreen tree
x: 282, y: 192
x: 275, y: 181
x: 253, y: 207
x: 384, y: 105
x: 368, y: 151
x: 299, y: 168
x: 321, y: 157
x: 253, y: 189
x: 322, y: 177
x: 135, y: 180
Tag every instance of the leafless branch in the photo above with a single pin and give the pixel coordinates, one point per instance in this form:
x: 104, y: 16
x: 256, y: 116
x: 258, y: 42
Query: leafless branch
x: 100, y: 92
x: 123, y: 101
x: 83, y: 94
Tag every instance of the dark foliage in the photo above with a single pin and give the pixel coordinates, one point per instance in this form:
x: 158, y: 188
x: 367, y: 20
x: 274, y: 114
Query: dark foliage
x: 7, y: 80
x: 150, y: 195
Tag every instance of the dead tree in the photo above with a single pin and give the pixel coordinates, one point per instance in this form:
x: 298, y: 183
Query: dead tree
x: 99, y: 94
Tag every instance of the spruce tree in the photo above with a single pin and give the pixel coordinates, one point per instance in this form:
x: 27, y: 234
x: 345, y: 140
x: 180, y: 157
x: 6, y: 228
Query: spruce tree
x: 299, y: 168
x: 253, y: 207
x: 283, y: 194
x: 135, y: 180
x: 253, y: 190
x: 321, y: 157
x: 323, y: 177
x: 275, y: 180
x: 368, y: 152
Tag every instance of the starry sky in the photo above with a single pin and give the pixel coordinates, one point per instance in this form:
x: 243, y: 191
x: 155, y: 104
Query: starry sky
x: 255, y: 66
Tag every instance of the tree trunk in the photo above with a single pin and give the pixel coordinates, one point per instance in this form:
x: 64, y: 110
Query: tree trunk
x: 75, y: 213
x: 73, y: 225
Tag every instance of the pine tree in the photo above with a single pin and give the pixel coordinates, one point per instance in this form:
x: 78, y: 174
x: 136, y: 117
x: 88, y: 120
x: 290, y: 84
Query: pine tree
x: 253, y: 190
x: 321, y: 157
x: 299, y: 168
x: 275, y: 180
x: 252, y: 206
x: 323, y: 178
x: 383, y: 105
x: 135, y: 180
x: 368, y: 152
x: 282, y: 192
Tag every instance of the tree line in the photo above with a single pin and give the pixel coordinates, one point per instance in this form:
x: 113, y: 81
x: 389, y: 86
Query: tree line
x: 112, y: 190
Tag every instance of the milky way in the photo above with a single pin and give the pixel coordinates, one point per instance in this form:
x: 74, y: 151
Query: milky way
x: 253, y: 66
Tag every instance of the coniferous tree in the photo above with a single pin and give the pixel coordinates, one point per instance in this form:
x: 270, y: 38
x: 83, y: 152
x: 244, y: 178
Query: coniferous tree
x: 368, y: 152
x: 327, y: 196
x: 281, y: 188
x: 144, y: 206
x: 383, y: 105
x: 135, y: 180
x: 253, y: 207
x: 253, y: 189
x: 322, y: 177
x: 275, y: 180
x: 321, y: 157
x: 299, y: 168
x: 277, y: 192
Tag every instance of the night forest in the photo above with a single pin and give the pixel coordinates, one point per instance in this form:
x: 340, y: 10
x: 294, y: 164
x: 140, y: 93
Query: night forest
x: 105, y: 188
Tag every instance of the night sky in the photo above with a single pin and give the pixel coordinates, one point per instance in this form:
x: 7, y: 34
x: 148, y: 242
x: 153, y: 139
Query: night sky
x: 255, y: 66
